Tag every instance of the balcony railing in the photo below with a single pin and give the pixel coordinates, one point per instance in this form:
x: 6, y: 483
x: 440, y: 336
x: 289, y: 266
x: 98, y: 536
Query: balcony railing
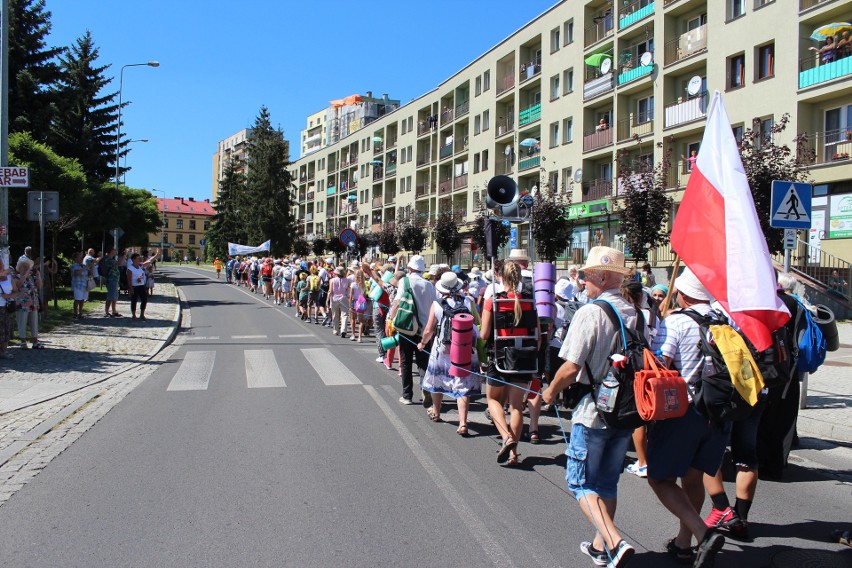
x: 425, y: 189
x: 635, y: 11
x: 597, y: 189
x: 505, y: 84
x: 390, y: 199
x: 629, y: 73
x: 597, y: 86
x: 597, y: 139
x: 829, y: 147
x: 807, y: 4
x: 390, y: 171
x: 600, y: 29
x: 530, y: 70
x: 529, y: 114
x: 310, y: 196
x: 460, y: 182
x: 378, y: 148
x: 462, y: 109
x: 445, y: 187
x: 378, y: 174
x: 462, y: 147
x: 423, y: 127
x: 505, y: 125
x: 529, y: 162
x: 446, y: 151
x: 639, y: 125
x: 301, y: 197
x: 377, y: 202
x: 391, y: 143
x: 817, y: 69
x: 424, y: 159
x: 690, y: 43
x: 446, y: 116
x: 814, y: 263
x: 311, y: 176
x: 678, y: 175
x: 686, y: 111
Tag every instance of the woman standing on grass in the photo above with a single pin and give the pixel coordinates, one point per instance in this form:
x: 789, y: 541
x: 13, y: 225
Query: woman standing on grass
x: 8, y: 291
x: 79, y: 283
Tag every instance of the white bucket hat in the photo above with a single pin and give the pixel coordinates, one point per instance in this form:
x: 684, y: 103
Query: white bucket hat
x: 449, y: 283
x: 518, y: 254
x: 417, y: 263
x: 689, y: 285
x: 606, y: 258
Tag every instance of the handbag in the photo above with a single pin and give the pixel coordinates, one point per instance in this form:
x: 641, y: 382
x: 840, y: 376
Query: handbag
x: 361, y: 304
x: 90, y: 284
x: 11, y: 305
x: 660, y: 393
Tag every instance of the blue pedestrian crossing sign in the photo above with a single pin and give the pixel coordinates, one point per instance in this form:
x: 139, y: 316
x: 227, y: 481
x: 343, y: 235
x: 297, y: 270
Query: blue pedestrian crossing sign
x: 791, y: 205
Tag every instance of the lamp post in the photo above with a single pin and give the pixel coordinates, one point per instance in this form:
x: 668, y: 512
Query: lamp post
x: 118, y: 129
x: 124, y: 176
x: 162, y: 222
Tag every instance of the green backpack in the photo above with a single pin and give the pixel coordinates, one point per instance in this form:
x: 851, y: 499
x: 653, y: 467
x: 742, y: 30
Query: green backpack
x: 405, y: 321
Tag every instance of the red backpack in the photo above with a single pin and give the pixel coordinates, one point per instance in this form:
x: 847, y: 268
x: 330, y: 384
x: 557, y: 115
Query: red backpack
x: 267, y: 271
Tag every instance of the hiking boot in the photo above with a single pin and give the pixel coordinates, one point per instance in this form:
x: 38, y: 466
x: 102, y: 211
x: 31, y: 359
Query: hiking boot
x: 598, y: 556
x: 726, y: 519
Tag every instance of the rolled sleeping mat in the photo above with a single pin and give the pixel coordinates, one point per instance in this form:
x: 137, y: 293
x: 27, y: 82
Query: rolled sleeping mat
x: 544, y: 284
x: 824, y: 318
x: 390, y: 342
x: 461, y: 345
x: 376, y: 292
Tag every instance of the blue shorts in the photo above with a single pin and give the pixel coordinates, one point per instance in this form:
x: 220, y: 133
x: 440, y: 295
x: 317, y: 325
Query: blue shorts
x: 691, y: 441
x: 595, y: 460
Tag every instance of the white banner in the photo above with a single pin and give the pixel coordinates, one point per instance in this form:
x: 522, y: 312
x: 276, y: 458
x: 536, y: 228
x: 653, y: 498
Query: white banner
x: 234, y: 248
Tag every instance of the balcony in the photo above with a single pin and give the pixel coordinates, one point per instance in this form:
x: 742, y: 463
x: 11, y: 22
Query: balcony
x: 529, y: 114
x: 600, y: 29
x: 446, y: 116
x: 462, y: 109
x: 378, y: 148
x: 629, y: 128
x: 310, y: 196
x: 376, y: 227
x: 377, y: 202
x: 505, y: 83
x: 530, y: 70
x: 813, y: 72
x: 629, y: 73
x: 633, y: 12
x: 597, y: 189
x: 330, y: 190
x: 390, y: 199
x: 678, y: 175
x: 597, y: 86
x: 446, y: 151
x: 425, y: 190
x: 808, y: 4
x: 445, y: 187
x: 424, y: 160
x: 390, y: 171
x: 505, y: 125
x: 378, y: 174
x: 311, y: 176
x: 529, y: 162
x: 686, y: 45
x: 460, y: 182
x: 301, y: 197
x: 423, y: 127
x: 462, y: 148
x: 686, y: 111
x: 597, y: 139
x: 391, y: 143
x: 830, y: 147
x: 309, y: 217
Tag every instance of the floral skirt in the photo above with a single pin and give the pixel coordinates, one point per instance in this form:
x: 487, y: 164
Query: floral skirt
x: 438, y: 379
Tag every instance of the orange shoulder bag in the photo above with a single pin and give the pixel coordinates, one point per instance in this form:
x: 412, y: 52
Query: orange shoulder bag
x: 660, y: 393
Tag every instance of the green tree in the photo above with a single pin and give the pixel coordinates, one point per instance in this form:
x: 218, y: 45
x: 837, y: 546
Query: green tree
x: 318, y: 246
x: 137, y: 215
x: 447, y: 235
x: 551, y: 228
x: 387, y: 239
x: 334, y: 246
x: 644, y: 206
x: 85, y: 126
x: 268, y: 184
x: 300, y: 246
x: 33, y: 72
x: 227, y: 223
x: 477, y: 231
x: 411, y: 235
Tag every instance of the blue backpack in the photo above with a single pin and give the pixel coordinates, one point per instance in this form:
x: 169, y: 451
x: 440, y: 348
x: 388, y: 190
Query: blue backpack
x: 811, y: 343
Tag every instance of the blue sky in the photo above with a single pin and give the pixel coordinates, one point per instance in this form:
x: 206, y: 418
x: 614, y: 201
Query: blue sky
x: 220, y: 61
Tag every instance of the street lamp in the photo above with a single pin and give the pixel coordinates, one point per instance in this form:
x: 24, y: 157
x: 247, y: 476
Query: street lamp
x: 118, y: 129
x: 163, y: 223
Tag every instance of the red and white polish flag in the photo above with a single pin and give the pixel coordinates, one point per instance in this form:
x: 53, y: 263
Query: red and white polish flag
x: 717, y: 234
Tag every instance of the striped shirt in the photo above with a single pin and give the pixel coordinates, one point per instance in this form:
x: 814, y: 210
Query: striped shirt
x: 678, y: 337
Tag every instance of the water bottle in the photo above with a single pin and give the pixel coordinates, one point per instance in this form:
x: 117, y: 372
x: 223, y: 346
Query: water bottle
x: 607, y: 393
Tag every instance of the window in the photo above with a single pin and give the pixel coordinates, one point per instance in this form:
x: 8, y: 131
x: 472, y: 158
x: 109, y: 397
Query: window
x: 553, y: 181
x: 736, y: 71
x: 736, y: 8
x: 566, y: 178
x: 554, y: 87
x: 568, y: 81
x: 192, y: 225
x: 763, y: 129
x: 568, y: 32
x: 554, y: 40
x: 644, y: 110
x: 206, y: 225
x: 165, y: 223
x: 486, y: 80
x: 192, y: 239
x: 765, y: 62
x: 165, y: 238
x: 486, y: 120
x: 179, y: 224
x: 696, y: 23
x: 484, y: 160
x: 476, y: 163
x: 690, y: 148
x: 478, y: 88
x: 568, y: 130
x: 178, y: 239
x: 477, y: 124
x: 554, y: 134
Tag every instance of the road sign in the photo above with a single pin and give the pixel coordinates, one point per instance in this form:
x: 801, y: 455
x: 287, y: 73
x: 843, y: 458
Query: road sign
x: 118, y: 232
x: 348, y: 237
x: 44, y: 202
x: 789, y: 239
x: 171, y: 245
x: 14, y: 177
x: 202, y: 242
x: 791, y: 205
x: 513, y: 237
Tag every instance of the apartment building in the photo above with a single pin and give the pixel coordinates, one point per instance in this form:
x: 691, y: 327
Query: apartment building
x: 234, y: 149
x: 185, y: 222
x: 561, y: 99
x: 342, y: 118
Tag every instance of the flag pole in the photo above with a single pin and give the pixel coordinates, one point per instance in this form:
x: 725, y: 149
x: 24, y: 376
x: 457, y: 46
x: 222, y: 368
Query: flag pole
x: 672, y: 288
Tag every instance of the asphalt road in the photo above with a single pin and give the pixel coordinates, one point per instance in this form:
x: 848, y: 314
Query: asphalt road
x: 266, y: 441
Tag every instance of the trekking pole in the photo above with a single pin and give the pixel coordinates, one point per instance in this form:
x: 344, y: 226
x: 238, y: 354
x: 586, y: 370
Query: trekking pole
x: 672, y: 289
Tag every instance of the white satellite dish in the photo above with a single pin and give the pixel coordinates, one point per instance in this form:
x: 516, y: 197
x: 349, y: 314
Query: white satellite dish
x: 507, y: 150
x: 578, y: 175
x: 606, y: 65
x: 694, y: 85
x: 646, y: 59
x: 353, y: 225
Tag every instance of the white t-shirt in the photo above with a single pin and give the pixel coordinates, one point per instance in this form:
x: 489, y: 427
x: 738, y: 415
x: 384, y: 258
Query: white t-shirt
x: 678, y: 337
x: 137, y: 275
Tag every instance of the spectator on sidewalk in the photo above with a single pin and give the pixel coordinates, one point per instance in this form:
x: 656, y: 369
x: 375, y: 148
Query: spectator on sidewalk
x: 79, y: 283
x: 111, y: 273
x: 8, y: 291
x: 29, y: 287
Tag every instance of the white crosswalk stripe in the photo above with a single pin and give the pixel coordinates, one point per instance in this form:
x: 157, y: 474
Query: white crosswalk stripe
x: 262, y: 369
x: 194, y: 372
x: 329, y: 368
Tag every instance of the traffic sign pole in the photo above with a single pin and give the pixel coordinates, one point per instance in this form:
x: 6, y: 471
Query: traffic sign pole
x: 4, y: 126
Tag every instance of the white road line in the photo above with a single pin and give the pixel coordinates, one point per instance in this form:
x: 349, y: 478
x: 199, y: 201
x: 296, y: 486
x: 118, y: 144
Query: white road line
x: 262, y: 369
x: 489, y: 544
x: 329, y: 368
x: 248, y: 337
x: 210, y: 338
x: 293, y: 335
x: 194, y: 372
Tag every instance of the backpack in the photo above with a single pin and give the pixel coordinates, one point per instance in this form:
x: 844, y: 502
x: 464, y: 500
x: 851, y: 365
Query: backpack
x: 569, y: 309
x: 717, y: 397
x: 810, y: 342
x: 405, y: 320
x: 614, y: 395
x: 314, y: 283
x: 287, y: 273
x: 446, y: 324
x: 254, y: 270
x: 267, y: 271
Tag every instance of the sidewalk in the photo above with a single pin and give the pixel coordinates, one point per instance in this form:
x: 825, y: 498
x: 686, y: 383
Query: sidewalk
x: 87, y: 351
x: 829, y: 394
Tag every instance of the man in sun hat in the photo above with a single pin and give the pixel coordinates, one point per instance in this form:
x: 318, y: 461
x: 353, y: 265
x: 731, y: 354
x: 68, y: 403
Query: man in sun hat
x: 595, y: 452
x: 424, y: 294
x: 689, y: 446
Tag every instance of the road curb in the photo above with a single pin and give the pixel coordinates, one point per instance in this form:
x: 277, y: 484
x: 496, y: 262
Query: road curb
x: 815, y: 428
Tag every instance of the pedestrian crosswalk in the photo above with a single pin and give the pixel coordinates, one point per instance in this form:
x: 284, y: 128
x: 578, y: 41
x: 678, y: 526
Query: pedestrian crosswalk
x: 262, y: 369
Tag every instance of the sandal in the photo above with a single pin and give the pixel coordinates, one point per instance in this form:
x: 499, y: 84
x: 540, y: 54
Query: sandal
x: 509, y: 444
x: 433, y: 416
x: 462, y: 431
x: 38, y: 345
x: 681, y: 555
x: 534, y: 439
x: 513, y: 460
